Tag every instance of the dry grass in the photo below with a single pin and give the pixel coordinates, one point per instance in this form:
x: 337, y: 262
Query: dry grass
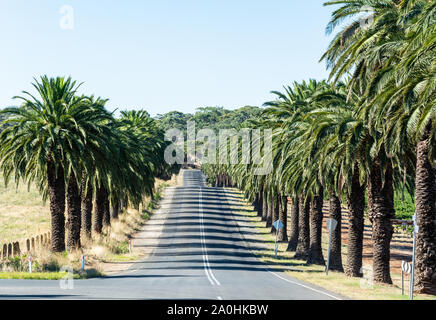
x: 26, y: 216
x: 22, y: 212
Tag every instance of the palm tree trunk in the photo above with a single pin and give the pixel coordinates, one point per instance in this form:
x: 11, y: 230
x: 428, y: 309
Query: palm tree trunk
x: 275, y: 213
x: 106, y: 214
x: 122, y: 204
x: 259, y: 204
x: 56, y: 188
x: 335, y: 212
x: 114, y: 209
x: 302, y: 251
x: 74, y: 213
x: 86, y: 208
x: 293, y: 236
x: 256, y: 204
x: 315, y: 224
x: 356, y: 207
x: 381, y: 211
x: 270, y: 212
x: 264, y: 207
x: 426, y: 215
x: 283, y: 217
x: 99, y: 209
x: 125, y: 201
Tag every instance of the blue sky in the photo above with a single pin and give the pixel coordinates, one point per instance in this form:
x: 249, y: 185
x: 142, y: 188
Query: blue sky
x: 165, y: 55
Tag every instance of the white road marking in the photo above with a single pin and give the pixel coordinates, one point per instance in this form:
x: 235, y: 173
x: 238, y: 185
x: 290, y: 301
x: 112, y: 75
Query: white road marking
x: 206, y: 264
x: 302, y: 285
x: 219, y: 298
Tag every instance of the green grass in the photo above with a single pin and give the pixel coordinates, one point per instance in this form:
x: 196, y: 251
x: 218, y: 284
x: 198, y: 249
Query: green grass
x: 39, y: 275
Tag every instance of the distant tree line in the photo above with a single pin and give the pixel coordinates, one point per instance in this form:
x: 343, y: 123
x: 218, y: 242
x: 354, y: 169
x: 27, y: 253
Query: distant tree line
x: 214, y: 118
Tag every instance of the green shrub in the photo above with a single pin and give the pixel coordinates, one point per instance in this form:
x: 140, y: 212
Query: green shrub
x: 404, y: 210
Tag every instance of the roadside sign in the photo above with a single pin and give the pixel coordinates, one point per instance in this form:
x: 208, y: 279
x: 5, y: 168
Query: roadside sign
x: 278, y: 225
x: 331, y: 224
x: 406, y: 267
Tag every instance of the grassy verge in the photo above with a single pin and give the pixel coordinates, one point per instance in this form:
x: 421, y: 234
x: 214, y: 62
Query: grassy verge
x: 355, y: 288
x: 39, y: 275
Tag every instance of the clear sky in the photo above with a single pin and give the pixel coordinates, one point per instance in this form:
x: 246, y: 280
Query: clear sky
x: 164, y: 55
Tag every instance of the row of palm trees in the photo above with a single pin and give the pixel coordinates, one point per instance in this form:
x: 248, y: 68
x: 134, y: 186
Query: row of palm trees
x: 87, y: 162
x: 356, y: 139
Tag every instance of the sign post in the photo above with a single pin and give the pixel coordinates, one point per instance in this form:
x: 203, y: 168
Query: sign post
x: 412, y: 275
x: 277, y: 225
x: 406, y: 267
x: 331, y: 226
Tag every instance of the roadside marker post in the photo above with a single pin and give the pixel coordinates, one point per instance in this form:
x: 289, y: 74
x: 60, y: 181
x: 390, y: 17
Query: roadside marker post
x: 277, y: 225
x: 412, y: 275
x: 30, y: 264
x: 83, y: 262
x: 331, y: 226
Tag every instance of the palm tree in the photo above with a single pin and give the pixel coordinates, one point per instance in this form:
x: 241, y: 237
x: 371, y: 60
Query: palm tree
x: 403, y: 91
x: 96, y: 160
x: 342, y: 137
x: 42, y: 143
x: 297, y: 168
x: 365, y: 50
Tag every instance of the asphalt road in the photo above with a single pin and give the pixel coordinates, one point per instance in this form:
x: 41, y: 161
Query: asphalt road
x: 200, y: 254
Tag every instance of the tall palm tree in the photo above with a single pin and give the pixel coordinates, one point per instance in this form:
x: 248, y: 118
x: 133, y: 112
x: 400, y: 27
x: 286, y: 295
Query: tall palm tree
x: 404, y: 92
x: 363, y: 50
x: 342, y: 138
x: 42, y: 143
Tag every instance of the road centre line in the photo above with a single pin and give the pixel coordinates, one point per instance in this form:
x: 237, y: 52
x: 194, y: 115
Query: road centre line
x: 206, y: 264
